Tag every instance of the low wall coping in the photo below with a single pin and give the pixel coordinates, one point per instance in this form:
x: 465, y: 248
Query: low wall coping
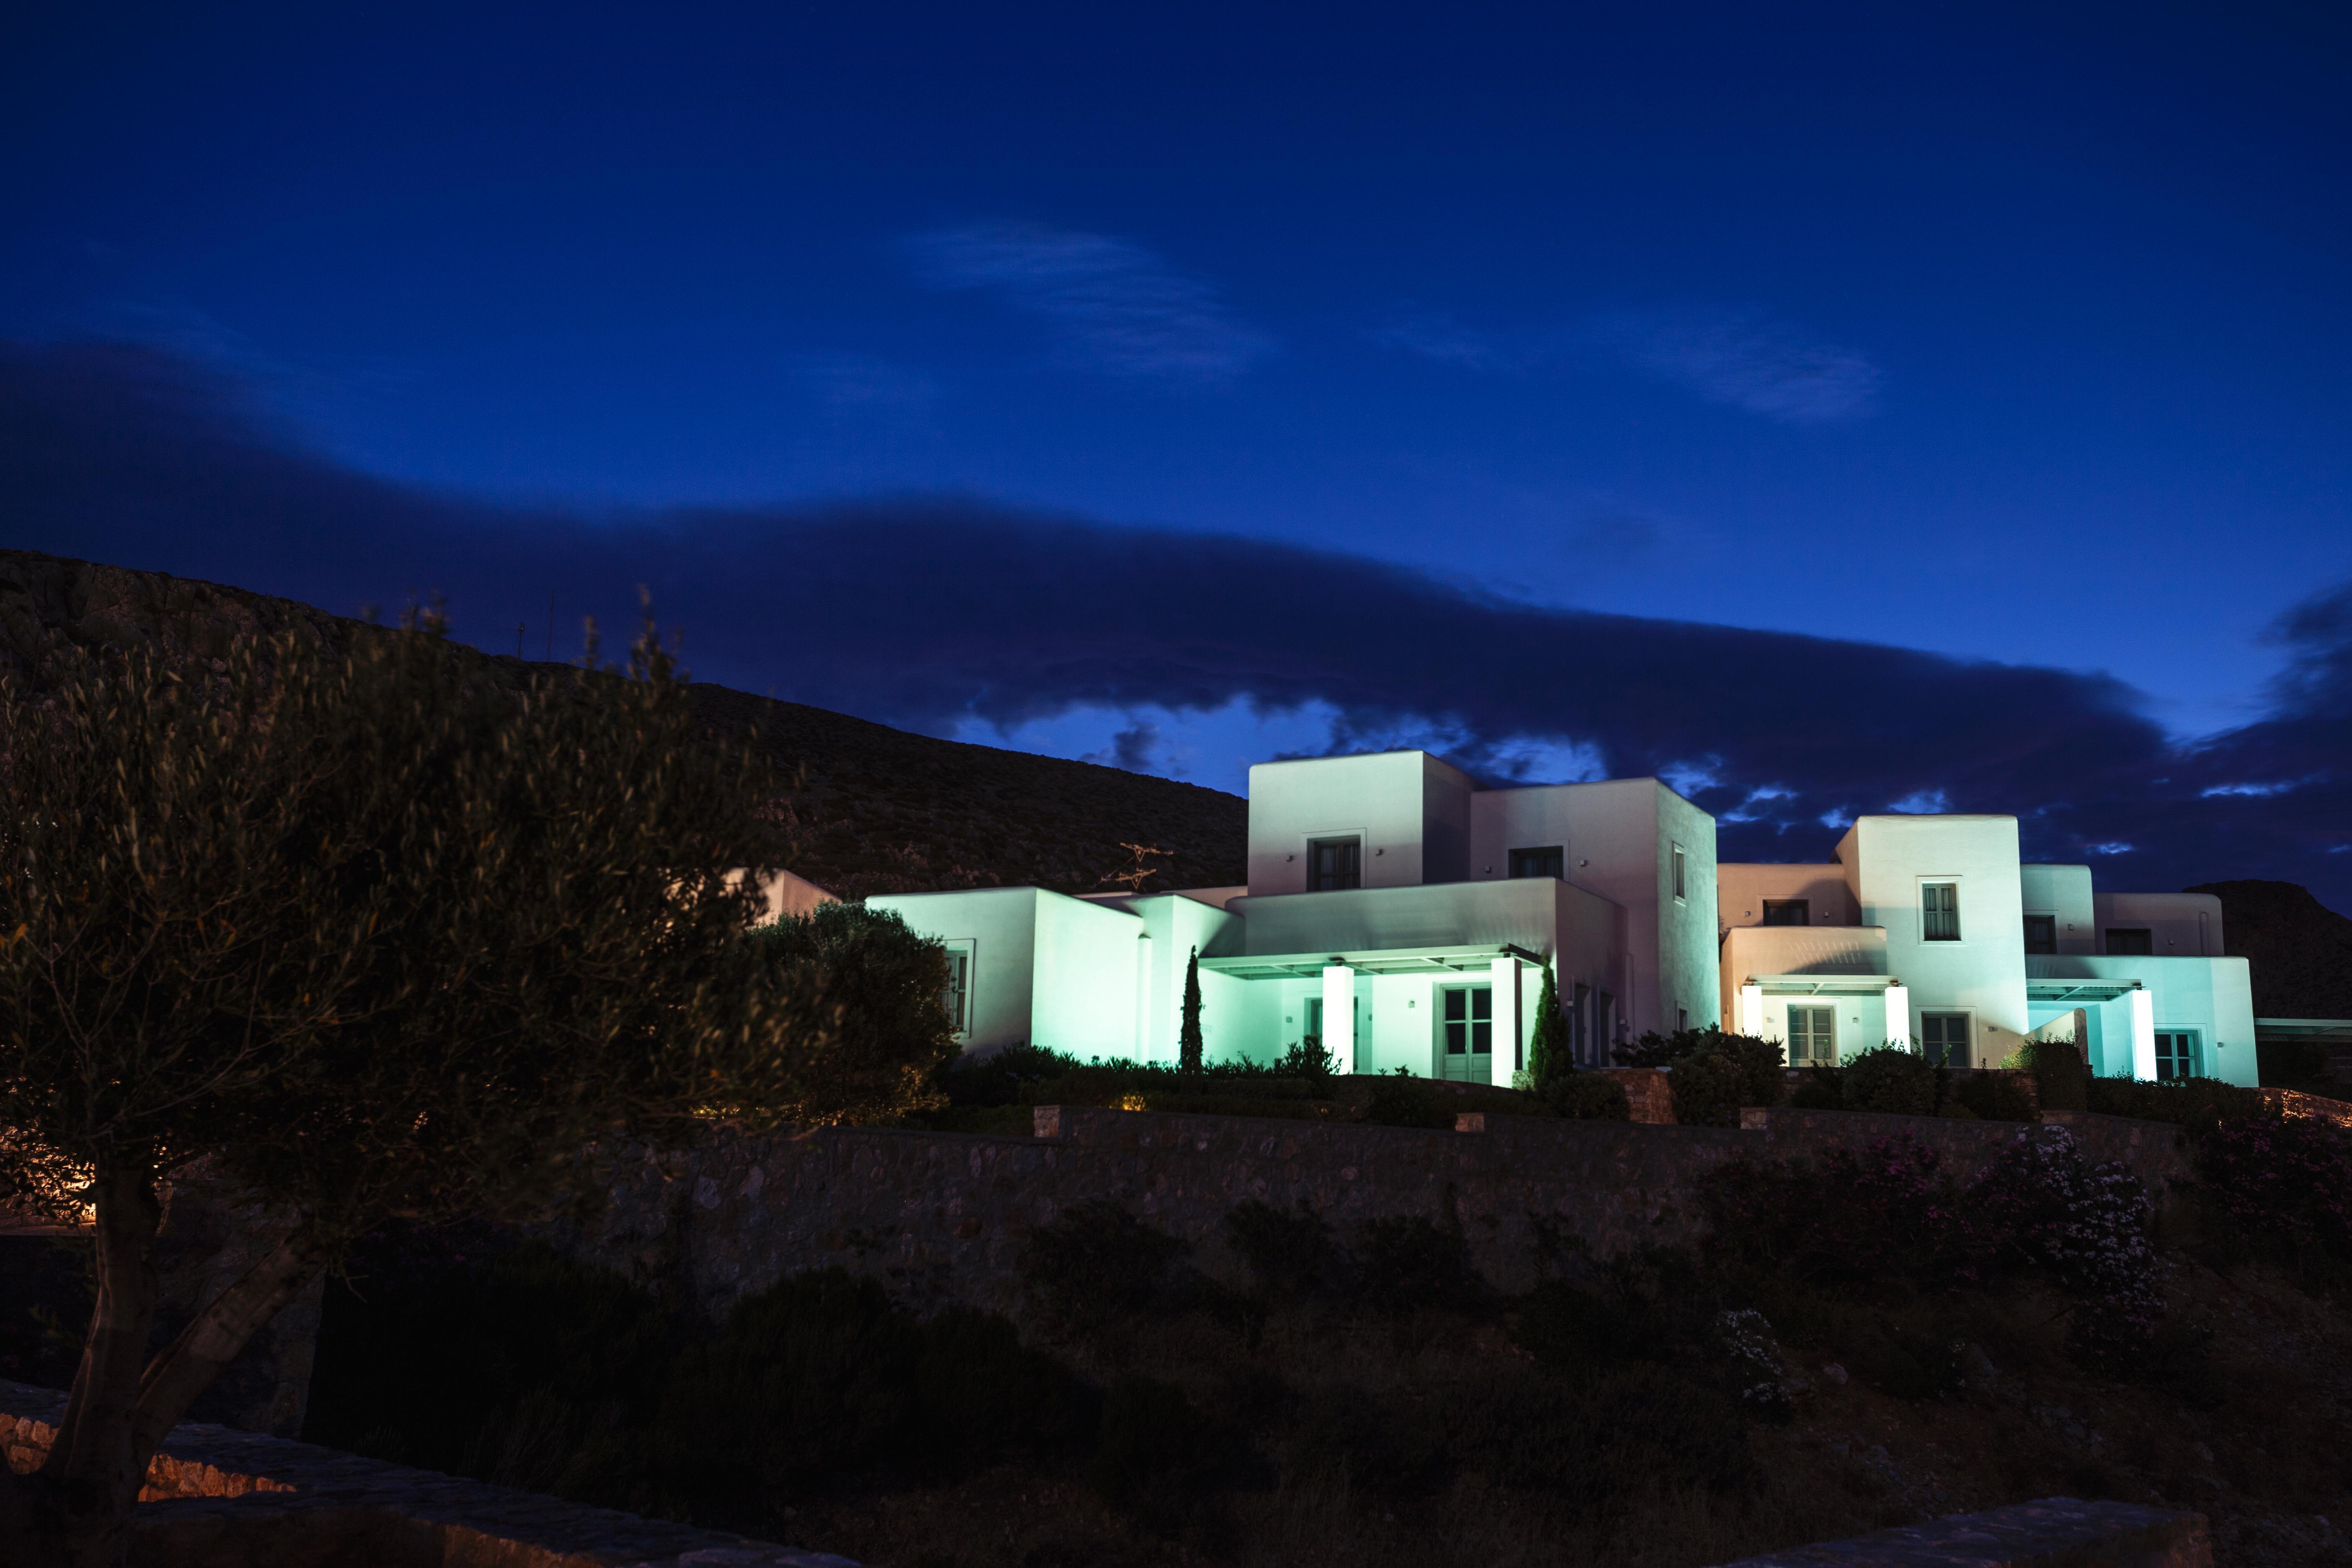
x: 207, y: 1479
x: 2055, y: 1533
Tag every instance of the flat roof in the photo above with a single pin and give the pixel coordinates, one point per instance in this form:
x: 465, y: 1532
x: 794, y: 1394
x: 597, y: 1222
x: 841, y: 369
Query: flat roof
x: 1382, y: 960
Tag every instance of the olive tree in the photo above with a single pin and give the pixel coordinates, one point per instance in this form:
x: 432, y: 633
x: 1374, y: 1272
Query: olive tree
x: 357, y: 932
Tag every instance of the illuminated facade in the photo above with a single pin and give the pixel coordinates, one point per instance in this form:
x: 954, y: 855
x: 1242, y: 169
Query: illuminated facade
x: 1396, y: 911
x: 1929, y: 932
x: 1403, y: 914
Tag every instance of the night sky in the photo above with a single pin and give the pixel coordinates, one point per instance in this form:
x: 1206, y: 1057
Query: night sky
x: 1830, y: 409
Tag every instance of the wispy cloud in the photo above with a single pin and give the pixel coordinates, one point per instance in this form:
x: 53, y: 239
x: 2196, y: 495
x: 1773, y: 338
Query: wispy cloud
x: 1741, y: 357
x: 1746, y: 359
x: 1116, y: 308
x: 861, y: 381
x: 1437, y: 336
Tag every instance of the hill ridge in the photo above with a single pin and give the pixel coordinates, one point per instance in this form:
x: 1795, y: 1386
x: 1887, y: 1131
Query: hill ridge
x: 884, y: 810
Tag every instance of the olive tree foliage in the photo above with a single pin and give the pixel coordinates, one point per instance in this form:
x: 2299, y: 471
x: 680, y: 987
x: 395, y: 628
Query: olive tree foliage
x: 353, y: 933
x: 882, y: 989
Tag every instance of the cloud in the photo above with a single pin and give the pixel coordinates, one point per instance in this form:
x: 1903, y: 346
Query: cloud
x: 1613, y: 538
x: 944, y: 614
x: 852, y: 382
x: 1746, y: 359
x: 1116, y: 307
x: 1442, y: 338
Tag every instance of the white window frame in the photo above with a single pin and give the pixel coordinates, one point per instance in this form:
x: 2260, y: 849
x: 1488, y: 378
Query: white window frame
x: 1968, y: 1018
x: 1959, y: 911
x: 1678, y: 872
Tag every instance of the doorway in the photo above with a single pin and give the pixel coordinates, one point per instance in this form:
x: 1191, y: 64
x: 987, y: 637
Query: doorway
x: 1466, y: 1034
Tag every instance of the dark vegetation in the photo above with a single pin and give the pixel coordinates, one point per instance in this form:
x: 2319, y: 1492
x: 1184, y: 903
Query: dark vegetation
x: 1862, y: 1339
x: 877, y: 810
x: 2300, y: 951
x: 998, y: 1093
x: 1712, y: 1073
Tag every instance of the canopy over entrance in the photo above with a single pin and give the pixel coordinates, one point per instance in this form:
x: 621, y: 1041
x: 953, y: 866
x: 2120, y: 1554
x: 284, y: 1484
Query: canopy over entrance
x: 1385, y: 961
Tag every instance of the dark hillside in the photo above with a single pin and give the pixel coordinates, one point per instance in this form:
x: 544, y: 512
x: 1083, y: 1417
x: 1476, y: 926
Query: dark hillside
x: 2301, y: 950
x: 882, y: 811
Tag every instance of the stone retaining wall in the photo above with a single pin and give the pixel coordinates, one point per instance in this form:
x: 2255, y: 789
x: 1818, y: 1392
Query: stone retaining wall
x: 216, y: 1498
x: 944, y: 1218
x: 2056, y: 1533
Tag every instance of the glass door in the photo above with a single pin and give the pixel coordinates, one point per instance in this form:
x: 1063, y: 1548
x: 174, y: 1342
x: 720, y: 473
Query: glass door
x: 1466, y: 1033
x: 1812, y: 1037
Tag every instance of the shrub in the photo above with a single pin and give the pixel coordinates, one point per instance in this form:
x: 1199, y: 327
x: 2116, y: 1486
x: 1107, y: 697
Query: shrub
x: 2193, y: 1102
x: 1818, y: 1089
x: 1098, y: 1263
x: 2041, y: 1205
x: 2279, y: 1183
x: 1307, y: 1059
x: 819, y: 1376
x: 1291, y: 1254
x: 1650, y: 1304
x: 1587, y: 1097
x: 1877, y: 1217
x: 1400, y: 1100
x: 883, y: 981
x: 1155, y: 1453
x: 1890, y: 1080
x: 1406, y: 1262
x: 1548, y: 1045
x: 1344, y: 1430
x: 1597, y: 1441
x: 1987, y: 1095
x: 1712, y: 1074
x: 2061, y: 1077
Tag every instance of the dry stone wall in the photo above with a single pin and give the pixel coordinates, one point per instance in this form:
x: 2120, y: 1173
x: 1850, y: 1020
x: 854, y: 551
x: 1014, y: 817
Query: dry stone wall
x: 944, y: 1218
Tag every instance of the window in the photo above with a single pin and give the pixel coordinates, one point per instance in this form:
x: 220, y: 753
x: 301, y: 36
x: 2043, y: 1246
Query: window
x: 1333, y: 864
x: 1467, y: 1030
x: 1940, y: 912
x: 1788, y: 911
x: 1604, y: 1025
x: 1551, y: 862
x: 1944, y: 1039
x: 1679, y: 888
x: 1682, y: 1020
x: 1313, y: 1029
x: 956, y: 997
x: 2176, y: 1053
x: 2130, y: 942
x: 2042, y: 933
x: 1579, y: 1023
x: 1812, y: 1037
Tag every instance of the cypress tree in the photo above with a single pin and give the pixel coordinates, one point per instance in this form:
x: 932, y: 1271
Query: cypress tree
x: 1188, y: 1042
x: 1548, y: 1045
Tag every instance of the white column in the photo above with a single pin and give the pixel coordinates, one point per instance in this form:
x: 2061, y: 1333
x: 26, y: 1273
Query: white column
x: 1898, y: 1019
x: 1506, y: 1039
x: 1339, y: 1015
x: 1750, y: 1021
x: 2143, y: 1032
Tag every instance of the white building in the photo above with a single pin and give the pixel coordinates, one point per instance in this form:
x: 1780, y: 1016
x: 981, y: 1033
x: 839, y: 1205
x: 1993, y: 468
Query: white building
x: 1395, y: 910
x: 1403, y: 914
x: 1929, y: 932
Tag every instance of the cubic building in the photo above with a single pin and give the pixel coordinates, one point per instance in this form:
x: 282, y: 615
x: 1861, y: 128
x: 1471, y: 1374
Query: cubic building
x: 1403, y: 914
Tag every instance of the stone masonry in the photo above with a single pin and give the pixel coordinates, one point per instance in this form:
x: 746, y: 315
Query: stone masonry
x: 217, y: 1498
x: 944, y: 1218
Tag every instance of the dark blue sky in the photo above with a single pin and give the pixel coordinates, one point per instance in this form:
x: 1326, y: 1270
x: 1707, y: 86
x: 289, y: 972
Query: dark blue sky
x: 2016, y: 335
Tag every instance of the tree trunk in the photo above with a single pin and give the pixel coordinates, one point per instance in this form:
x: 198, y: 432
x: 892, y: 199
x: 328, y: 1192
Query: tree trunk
x: 75, y: 1511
